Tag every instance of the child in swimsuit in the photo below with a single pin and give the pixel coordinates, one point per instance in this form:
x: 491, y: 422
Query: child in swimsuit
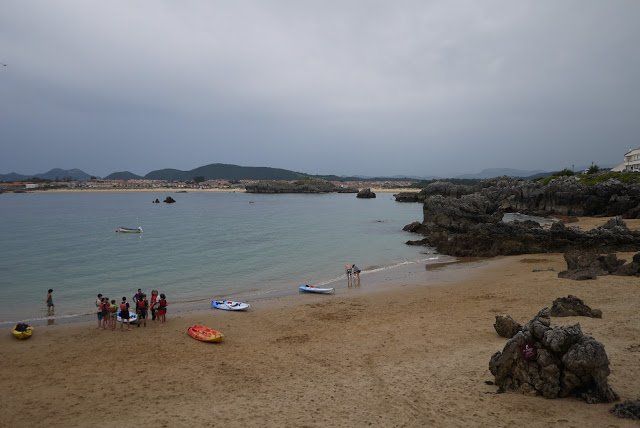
x: 162, y: 308
x: 154, y: 304
x: 124, y: 313
x: 113, y: 308
x: 106, y: 312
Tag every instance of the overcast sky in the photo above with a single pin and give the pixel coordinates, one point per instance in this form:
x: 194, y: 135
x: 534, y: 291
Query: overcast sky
x: 345, y: 87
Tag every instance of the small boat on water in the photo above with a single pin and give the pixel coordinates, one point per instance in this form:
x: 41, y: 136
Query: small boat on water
x: 229, y: 305
x: 306, y: 288
x: 129, y: 230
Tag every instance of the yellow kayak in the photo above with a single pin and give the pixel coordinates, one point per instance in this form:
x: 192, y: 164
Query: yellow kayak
x: 22, y: 334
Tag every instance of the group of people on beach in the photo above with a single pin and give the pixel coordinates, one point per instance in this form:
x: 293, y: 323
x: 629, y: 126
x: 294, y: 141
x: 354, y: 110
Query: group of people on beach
x: 108, y: 311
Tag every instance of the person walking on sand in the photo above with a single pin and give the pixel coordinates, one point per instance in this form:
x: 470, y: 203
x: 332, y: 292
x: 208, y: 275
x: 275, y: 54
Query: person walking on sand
x: 124, y: 314
x: 154, y: 304
x: 162, y: 308
x: 50, y: 305
x: 142, y: 306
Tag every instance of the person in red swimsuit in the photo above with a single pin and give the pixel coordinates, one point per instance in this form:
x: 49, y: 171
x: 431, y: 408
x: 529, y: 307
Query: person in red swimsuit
x: 162, y: 308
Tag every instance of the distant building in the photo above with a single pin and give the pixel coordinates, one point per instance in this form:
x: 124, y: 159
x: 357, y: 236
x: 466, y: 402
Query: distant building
x: 632, y: 161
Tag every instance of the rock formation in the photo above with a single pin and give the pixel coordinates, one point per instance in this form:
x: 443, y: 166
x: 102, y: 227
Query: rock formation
x: 589, y: 264
x: 630, y: 409
x: 413, y: 227
x: 553, y: 362
x: 567, y: 196
x: 366, y: 194
x: 472, y: 226
x: 629, y: 269
x: 571, y: 306
x: 506, y: 326
x: 408, y: 197
x: 441, y: 188
x: 299, y: 186
x: 169, y: 200
x: 582, y: 265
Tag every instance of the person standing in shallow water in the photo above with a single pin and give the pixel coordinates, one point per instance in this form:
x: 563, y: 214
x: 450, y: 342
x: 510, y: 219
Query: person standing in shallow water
x: 355, y: 271
x: 99, y: 309
x: 50, y: 305
x: 347, y: 271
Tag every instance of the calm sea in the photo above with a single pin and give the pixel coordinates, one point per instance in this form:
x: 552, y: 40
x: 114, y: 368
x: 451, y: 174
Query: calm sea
x: 205, y: 245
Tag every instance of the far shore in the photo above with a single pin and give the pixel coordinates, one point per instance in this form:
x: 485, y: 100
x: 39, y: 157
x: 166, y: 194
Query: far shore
x: 177, y: 189
x: 156, y: 190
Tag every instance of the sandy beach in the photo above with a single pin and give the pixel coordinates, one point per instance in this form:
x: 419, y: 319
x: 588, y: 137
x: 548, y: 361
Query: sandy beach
x: 401, y: 356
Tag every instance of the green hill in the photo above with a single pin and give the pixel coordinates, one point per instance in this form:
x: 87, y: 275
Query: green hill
x: 225, y: 172
x: 123, y: 175
x: 53, y: 174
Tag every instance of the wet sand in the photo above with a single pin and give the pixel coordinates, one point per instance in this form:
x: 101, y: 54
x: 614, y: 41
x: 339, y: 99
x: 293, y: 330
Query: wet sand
x: 411, y: 355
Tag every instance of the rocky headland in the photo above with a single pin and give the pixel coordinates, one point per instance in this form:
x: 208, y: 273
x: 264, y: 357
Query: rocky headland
x: 568, y: 196
x: 467, y: 220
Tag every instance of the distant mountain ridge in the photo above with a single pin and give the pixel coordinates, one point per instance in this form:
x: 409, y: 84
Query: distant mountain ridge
x: 53, y: 174
x: 226, y: 172
x: 236, y: 172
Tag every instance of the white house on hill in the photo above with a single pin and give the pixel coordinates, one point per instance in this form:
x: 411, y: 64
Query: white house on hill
x: 631, y: 161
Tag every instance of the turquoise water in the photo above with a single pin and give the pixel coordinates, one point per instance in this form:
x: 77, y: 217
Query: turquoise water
x: 205, y: 245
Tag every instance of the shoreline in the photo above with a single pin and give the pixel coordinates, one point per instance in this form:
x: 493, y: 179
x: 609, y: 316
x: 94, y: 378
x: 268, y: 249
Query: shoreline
x: 375, y: 278
x: 407, y: 354
x: 182, y: 190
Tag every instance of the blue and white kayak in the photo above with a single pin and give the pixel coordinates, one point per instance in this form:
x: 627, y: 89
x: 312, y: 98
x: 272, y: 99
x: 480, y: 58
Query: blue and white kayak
x: 306, y: 288
x: 229, y: 305
x: 133, y: 317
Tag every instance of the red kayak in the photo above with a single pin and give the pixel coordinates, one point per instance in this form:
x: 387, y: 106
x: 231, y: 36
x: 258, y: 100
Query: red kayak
x: 204, y: 333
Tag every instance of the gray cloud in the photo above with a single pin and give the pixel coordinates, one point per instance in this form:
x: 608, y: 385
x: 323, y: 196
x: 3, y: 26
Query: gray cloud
x: 408, y: 87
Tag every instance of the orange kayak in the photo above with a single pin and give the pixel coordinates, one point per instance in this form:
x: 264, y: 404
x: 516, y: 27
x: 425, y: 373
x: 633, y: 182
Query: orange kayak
x: 204, y: 333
